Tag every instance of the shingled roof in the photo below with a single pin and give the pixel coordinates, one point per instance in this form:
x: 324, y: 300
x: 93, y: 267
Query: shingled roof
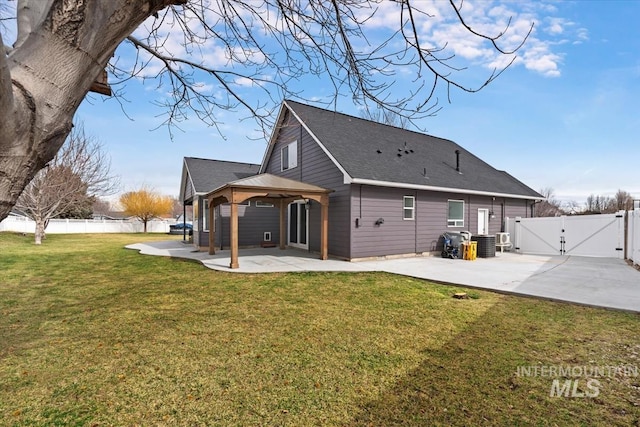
x: 205, y: 174
x: 379, y: 154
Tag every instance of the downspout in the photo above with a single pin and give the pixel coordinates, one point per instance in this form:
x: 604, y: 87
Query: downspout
x: 184, y: 221
x: 360, y: 203
x: 415, y: 222
x: 469, y: 215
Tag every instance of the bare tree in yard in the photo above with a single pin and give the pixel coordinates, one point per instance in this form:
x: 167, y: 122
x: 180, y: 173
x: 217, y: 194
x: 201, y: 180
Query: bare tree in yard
x: 176, y: 207
x: 550, y: 206
x: 71, y: 181
x: 622, y: 201
x: 62, y: 46
x: 597, y: 204
x: 146, y: 205
x: 101, y: 207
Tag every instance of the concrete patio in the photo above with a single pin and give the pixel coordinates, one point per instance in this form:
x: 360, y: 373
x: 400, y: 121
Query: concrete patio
x: 602, y: 282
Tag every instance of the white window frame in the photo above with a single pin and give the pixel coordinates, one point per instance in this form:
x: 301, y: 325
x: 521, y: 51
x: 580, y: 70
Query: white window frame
x: 205, y: 215
x: 292, y: 156
x: 455, y: 222
x: 261, y: 204
x: 406, y: 208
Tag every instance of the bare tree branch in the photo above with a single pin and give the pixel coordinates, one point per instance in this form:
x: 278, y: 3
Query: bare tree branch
x: 78, y: 173
x: 493, y: 40
x: 204, y: 56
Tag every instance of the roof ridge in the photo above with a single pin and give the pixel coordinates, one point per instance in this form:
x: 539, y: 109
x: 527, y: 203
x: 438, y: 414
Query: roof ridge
x: 222, y: 161
x: 371, y: 121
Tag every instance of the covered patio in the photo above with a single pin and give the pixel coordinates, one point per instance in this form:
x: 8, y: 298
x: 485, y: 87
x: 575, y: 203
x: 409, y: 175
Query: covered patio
x: 269, y: 189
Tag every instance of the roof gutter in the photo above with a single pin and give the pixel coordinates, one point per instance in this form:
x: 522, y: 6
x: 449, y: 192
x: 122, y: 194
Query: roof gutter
x: 439, y: 189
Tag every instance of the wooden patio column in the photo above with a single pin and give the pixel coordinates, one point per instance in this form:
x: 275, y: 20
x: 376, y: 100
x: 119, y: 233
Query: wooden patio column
x: 234, y: 235
x: 212, y: 239
x: 324, y: 227
x: 283, y: 223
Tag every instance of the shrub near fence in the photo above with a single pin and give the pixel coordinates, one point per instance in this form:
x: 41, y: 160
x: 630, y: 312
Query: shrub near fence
x: 71, y: 226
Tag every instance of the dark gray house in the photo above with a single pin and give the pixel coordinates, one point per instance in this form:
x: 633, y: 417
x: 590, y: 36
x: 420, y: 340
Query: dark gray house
x: 394, y: 191
x: 200, y: 176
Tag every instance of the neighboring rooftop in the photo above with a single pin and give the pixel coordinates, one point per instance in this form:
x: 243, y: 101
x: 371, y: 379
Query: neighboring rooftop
x: 206, y: 174
x: 379, y: 152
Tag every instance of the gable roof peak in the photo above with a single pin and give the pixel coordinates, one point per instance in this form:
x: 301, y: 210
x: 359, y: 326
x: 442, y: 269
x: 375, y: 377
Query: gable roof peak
x: 369, y: 151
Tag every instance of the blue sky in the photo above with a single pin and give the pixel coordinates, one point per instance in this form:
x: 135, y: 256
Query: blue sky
x: 564, y: 116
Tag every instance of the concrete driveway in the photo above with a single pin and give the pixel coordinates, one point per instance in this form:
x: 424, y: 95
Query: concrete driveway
x: 602, y: 282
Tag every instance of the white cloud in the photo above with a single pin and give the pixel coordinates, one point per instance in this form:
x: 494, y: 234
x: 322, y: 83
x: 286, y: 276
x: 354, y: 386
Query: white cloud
x: 546, y: 65
x: 244, y: 81
x: 538, y: 54
x: 556, y: 25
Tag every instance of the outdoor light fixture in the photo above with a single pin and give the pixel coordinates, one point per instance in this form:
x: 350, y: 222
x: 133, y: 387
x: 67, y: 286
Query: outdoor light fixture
x: 379, y: 221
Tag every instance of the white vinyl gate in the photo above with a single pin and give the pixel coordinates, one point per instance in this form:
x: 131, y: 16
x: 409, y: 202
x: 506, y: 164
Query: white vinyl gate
x: 582, y: 235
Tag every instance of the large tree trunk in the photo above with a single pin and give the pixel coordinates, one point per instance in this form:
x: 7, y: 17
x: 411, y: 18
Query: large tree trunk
x: 59, y: 53
x: 39, y: 234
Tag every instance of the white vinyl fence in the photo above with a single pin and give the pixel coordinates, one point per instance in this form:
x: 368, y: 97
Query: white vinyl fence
x: 70, y: 226
x: 581, y: 235
x: 633, y: 236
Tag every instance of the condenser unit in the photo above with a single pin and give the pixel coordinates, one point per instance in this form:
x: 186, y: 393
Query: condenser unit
x: 503, y: 239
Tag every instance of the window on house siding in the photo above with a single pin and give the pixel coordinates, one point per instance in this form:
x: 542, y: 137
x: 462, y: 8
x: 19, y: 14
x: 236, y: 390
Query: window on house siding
x: 456, y: 213
x: 261, y: 204
x: 408, y: 207
x: 289, y: 156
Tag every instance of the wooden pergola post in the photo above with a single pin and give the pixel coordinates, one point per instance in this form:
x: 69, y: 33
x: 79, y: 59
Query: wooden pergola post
x: 234, y: 235
x: 324, y: 227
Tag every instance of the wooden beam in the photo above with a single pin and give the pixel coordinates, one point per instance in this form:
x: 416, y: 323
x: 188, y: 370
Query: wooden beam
x: 324, y: 228
x: 234, y: 236
x: 212, y: 249
x: 283, y: 223
x: 240, y: 196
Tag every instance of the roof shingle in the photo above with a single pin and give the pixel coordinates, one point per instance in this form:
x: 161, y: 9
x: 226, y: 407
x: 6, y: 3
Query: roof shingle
x: 379, y: 152
x: 207, y: 174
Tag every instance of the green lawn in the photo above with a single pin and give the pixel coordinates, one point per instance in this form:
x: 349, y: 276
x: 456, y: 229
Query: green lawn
x: 94, y: 334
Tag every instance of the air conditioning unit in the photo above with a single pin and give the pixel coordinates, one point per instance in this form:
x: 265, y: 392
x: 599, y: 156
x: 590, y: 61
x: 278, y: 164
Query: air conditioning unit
x: 503, y: 239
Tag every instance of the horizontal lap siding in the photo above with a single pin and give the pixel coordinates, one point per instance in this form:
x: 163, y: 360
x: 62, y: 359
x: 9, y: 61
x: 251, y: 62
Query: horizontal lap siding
x: 315, y: 167
x: 515, y: 208
x: 188, y: 190
x: 252, y: 223
x: 394, y: 236
x: 432, y: 214
x: 398, y: 236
